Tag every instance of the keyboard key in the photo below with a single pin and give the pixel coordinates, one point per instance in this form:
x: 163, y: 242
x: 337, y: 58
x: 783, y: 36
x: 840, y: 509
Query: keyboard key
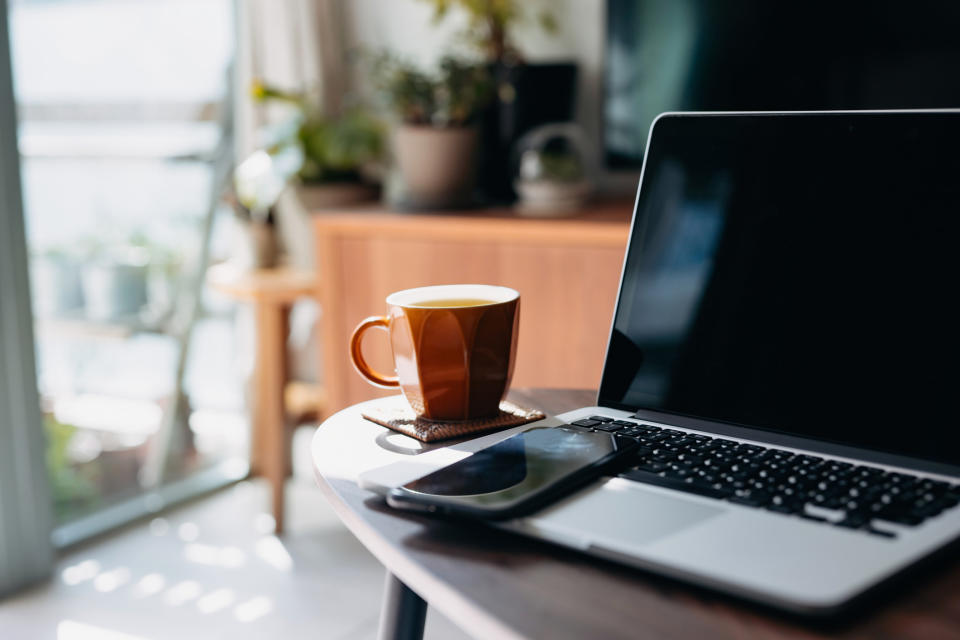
x: 853, y: 522
x: 783, y: 508
x: 664, y: 456
x: 750, y: 497
x: 609, y: 426
x: 699, y: 488
x: 752, y: 448
x: 949, y: 501
x: 601, y: 418
x: 826, y: 513
x: 653, y: 467
x: 901, y: 517
x: 586, y: 423
x: 808, y: 516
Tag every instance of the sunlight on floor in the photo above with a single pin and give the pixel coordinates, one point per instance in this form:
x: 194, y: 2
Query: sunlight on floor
x: 272, y: 551
x: 149, y: 585
x: 72, y: 630
x: 228, y: 557
x: 81, y: 572
x: 215, y: 569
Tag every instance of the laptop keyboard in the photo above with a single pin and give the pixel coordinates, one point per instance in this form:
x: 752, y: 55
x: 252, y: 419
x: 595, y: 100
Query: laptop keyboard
x: 833, y: 492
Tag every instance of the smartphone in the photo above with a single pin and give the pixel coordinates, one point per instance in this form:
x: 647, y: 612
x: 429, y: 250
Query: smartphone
x: 516, y: 476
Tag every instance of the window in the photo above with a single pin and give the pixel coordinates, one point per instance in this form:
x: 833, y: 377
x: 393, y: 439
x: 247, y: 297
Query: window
x: 124, y: 132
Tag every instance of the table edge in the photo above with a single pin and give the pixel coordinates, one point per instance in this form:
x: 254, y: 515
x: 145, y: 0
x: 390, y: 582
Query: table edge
x: 456, y: 607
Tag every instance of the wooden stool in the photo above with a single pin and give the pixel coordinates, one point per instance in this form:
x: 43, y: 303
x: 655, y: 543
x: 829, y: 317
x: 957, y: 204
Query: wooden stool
x: 271, y: 292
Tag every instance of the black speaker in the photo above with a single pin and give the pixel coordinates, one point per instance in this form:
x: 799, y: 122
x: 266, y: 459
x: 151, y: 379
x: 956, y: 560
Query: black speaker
x: 526, y: 95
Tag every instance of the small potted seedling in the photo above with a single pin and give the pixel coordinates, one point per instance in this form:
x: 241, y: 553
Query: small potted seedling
x: 435, y: 139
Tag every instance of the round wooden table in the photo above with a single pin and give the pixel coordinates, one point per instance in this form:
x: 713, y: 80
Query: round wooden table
x: 494, y: 584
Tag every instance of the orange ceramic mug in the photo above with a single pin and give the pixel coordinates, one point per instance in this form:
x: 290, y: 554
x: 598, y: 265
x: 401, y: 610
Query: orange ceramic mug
x: 453, y: 346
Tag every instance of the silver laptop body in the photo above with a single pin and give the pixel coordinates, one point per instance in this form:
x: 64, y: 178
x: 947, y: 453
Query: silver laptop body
x: 680, y: 359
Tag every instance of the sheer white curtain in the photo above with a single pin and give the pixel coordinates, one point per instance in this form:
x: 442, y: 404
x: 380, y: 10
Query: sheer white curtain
x: 295, y: 45
x: 25, y: 508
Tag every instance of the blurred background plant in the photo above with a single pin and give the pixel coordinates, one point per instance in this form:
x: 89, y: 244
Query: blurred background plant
x: 560, y: 165
x: 490, y: 22
x: 73, y: 486
x: 526, y: 94
x: 340, y: 148
x: 451, y: 96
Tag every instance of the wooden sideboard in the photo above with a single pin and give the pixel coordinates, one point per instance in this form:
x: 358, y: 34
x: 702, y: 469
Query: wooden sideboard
x: 567, y: 271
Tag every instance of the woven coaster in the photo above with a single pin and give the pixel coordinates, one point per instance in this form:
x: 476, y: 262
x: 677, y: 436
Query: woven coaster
x: 400, y: 417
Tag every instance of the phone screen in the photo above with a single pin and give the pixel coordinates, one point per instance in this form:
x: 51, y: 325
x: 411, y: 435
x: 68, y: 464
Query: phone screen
x: 511, y: 471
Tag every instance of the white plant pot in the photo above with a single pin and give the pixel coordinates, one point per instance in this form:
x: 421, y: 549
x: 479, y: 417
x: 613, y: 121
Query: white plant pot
x: 114, y: 290
x: 437, y: 165
x: 255, y: 245
x: 551, y: 199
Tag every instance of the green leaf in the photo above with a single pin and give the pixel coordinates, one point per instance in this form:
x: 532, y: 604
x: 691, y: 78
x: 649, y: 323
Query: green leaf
x: 548, y: 21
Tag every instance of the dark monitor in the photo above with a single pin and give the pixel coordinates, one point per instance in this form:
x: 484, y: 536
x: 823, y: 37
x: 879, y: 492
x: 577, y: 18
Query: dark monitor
x: 764, y: 55
x: 798, y: 274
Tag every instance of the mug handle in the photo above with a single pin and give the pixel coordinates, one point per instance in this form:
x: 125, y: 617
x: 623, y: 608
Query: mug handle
x: 356, y: 353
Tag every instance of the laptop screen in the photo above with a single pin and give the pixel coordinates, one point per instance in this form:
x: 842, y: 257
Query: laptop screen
x: 798, y: 273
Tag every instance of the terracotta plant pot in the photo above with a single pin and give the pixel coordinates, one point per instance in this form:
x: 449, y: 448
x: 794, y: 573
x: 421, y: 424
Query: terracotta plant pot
x: 317, y: 197
x: 436, y: 165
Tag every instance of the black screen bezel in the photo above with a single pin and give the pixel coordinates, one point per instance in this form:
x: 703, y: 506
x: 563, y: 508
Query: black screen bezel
x: 707, y: 423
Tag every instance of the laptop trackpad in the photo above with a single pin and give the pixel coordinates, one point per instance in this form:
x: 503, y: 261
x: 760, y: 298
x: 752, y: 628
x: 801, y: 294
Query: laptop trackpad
x: 622, y: 510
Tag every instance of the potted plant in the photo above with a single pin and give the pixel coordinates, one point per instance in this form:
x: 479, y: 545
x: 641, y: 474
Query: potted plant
x: 332, y: 157
x: 55, y: 277
x: 257, y: 186
x: 552, y: 170
x: 435, y: 142
x: 114, y: 280
x: 527, y: 94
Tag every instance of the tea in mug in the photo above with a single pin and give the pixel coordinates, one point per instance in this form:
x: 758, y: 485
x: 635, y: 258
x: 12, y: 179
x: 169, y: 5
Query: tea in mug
x: 448, y: 303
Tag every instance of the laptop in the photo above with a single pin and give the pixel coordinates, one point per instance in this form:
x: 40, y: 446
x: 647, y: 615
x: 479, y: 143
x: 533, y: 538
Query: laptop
x: 785, y: 347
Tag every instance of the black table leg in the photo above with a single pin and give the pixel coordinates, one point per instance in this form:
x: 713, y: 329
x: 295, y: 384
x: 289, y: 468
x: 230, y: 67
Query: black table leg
x: 403, y: 613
